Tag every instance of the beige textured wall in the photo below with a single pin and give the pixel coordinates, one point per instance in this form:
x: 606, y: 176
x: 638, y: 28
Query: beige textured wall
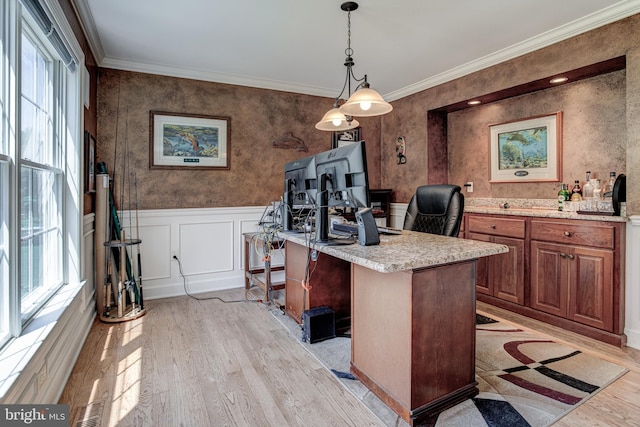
x: 594, y: 135
x: 258, y: 117
x: 620, y: 116
x: 601, y: 115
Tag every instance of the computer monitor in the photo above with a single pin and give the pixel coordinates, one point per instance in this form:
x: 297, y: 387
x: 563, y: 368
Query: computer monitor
x: 342, y: 182
x: 299, y: 191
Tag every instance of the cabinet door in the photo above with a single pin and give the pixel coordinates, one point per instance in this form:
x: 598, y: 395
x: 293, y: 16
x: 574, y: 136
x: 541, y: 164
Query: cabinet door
x: 483, y: 283
x: 507, y: 272
x: 591, y: 287
x: 549, y: 288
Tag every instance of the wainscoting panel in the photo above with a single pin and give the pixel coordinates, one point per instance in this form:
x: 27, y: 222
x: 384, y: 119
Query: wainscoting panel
x: 155, y: 251
x: 208, y: 256
x: 207, y: 242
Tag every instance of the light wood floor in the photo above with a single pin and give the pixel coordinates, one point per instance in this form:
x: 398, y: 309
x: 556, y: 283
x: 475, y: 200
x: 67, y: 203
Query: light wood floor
x: 206, y: 363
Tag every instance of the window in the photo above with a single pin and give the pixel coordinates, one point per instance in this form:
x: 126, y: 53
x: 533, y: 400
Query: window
x: 40, y: 178
x: 40, y: 152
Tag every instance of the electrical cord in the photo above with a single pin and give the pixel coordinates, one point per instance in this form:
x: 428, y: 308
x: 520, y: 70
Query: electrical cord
x: 184, y: 283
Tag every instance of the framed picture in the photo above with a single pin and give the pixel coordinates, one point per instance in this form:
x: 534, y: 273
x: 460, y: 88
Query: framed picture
x: 89, y: 163
x: 188, y: 141
x: 345, y: 137
x: 528, y: 150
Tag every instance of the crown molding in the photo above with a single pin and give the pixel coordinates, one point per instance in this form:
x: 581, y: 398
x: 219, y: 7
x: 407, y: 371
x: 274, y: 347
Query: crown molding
x: 606, y: 16
x: 232, y: 79
x: 89, y: 28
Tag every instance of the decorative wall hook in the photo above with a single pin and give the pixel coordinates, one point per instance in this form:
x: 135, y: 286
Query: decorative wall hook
x: 401, y: 150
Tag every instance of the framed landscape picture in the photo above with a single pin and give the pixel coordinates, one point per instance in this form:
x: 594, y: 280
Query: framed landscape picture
x: 188, y: 141
x: 528, y: 150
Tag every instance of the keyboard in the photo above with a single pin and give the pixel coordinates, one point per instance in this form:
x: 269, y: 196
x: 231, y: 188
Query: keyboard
x: 345, y: 228
x: 353, y: 229
x: 388, y: 230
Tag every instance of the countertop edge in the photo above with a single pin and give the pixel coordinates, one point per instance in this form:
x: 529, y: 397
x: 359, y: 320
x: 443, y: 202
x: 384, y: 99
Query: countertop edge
x: 407, y: 252
x: 542, y: 213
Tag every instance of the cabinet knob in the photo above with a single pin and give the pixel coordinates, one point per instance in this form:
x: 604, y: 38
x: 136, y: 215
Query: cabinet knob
x: 566, y: 233
x: 570, y: 256
x: 493, y: 226
x: 562, y: 255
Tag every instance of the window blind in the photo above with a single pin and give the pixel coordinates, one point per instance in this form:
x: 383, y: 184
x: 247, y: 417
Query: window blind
x: 41, y: 17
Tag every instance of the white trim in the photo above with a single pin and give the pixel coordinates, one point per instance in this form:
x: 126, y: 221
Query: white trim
x: 89, y: 28
x: 632, y: 290
x: 606, y: 16
x: 209, y: 263
x: 209, y: 76
x: 66, y: 33
x: 611, y: 14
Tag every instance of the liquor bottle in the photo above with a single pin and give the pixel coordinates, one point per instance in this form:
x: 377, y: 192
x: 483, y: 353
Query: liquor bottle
x: 587, y: 192
x: 607, y: 193
x: 563, y: 195
x: 576, y: 192
x: 597, y: 189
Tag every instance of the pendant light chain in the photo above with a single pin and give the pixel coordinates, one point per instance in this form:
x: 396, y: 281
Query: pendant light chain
x: 348, y: 51
x: 365, y: 102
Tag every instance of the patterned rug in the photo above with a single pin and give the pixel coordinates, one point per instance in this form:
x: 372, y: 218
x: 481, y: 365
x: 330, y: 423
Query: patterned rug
x: 524, y: 378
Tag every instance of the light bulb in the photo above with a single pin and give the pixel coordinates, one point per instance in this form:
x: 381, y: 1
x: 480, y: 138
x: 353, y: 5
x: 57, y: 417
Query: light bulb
x: 336, y: 122
x: 365, y: 105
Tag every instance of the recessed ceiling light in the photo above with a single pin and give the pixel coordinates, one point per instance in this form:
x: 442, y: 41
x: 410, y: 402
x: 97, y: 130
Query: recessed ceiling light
x: 557, y: 80
x: 474, y: 102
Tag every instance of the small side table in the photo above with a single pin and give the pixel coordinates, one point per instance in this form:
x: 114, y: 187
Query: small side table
x: 267, y: 278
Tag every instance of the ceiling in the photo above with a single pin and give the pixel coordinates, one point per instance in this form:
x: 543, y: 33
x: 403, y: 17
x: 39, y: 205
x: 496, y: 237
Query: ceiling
x: 403, y: 46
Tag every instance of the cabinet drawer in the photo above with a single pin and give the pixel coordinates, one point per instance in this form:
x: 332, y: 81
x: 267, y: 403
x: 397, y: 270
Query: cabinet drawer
x: 498, y: 226
x: 574, y: 232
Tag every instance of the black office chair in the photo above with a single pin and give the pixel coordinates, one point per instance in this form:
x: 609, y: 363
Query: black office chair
x: 435, y: 209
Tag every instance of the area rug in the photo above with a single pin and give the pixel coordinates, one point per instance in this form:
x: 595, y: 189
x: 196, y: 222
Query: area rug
x: 524, y: 378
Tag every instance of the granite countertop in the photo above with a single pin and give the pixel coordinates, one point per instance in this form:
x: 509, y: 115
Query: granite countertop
x: 408, y: 251
x: 532, y: 207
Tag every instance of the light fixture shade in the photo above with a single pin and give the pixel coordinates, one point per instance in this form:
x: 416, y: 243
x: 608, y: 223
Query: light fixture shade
x: 366, y: 102
x: 335, y: 120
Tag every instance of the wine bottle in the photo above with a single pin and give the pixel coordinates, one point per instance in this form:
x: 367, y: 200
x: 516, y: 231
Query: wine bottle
x: 563, y: 195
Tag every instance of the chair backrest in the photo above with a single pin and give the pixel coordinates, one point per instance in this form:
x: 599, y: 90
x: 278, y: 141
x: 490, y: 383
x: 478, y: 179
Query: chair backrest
x: 435, y: 209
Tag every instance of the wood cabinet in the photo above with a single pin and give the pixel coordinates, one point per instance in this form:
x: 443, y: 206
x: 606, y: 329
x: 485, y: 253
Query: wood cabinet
x: 501, y: 275
x: 566, y: 272
x: 572, y: 271
x: 327, y: 280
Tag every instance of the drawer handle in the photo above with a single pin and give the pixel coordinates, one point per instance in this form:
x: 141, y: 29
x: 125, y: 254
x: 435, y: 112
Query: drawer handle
x: 562, y: 255
x: 570, y: 256
x: 493, y: 226
x: 566, y: 233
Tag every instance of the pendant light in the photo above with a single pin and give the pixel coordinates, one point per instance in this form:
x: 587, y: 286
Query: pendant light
x: 365, y: 102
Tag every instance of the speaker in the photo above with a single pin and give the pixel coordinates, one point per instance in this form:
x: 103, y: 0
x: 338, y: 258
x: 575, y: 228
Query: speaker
x: 367, y: 228
x: 318, y: 324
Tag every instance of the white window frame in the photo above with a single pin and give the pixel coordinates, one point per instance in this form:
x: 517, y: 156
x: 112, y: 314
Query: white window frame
x: 16, y: 334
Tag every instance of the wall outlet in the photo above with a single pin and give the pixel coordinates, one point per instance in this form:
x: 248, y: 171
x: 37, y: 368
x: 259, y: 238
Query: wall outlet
x: 469, y: 187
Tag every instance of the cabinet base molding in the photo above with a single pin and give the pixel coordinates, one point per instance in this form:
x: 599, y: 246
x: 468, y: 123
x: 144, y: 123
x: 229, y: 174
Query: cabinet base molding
x: 618, y: 340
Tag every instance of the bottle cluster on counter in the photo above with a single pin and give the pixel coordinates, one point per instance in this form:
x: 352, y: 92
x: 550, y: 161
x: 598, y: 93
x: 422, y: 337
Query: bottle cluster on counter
x: 594, y: 196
